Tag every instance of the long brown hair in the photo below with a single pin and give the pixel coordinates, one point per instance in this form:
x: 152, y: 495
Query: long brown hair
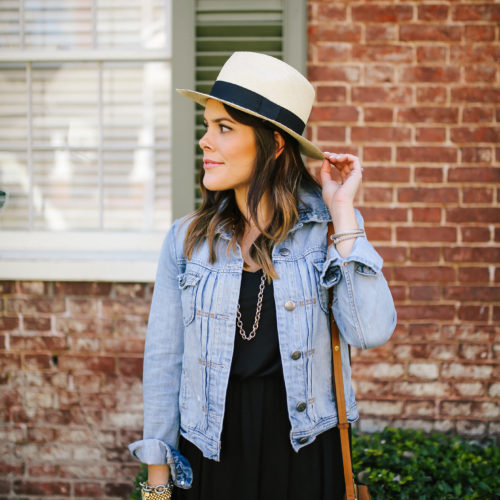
x: 282, y: 176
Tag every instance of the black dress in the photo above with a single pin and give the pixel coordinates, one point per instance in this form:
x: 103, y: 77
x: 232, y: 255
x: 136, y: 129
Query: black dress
x: 257, y: 459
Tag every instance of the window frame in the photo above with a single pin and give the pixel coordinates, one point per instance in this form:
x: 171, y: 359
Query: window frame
x: 132, y: 256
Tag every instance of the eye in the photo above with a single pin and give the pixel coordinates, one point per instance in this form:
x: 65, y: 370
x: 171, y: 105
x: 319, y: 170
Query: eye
x: 224, y: 128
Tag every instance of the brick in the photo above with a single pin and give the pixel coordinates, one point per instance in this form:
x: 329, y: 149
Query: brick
x: 332, y: 52
x: 466, y: 371
x: 370, y: 425
x: 374, y: 153
x: 380, y: 134
x: 475, y: 234
x: 474, y: 54
x: 475, y: 134
x: 435, y: 12
x: 392, y: 254
x: 82, y: 288
x: 427, y: 32
x: 130, y: 366
x: 431, y: 134
x: 332, y: 12
x: 387, y: 174
x: 7, y: 287
x: 484, y: 214
x: 428, y: 174
x: 423, y: 370
x: 120, y: 345
x: 398, y: 293
x: 425, y: 254
x: 331, y: 94
x: 428, y: 195
x: 456, y: 408
x: 9, y: 323
x: 88, y: 490
x: 334, y: 113
x: 377, y: 371
x: 485, y: 409
x: 98, y: 364
x: 41, y: 487
x: 477, y: 114
x: 479, y: 154
x: 423, y: 214
x: 424, y: 274
x: 390, y: 94
x: 475, y: 174
x: 479, y: 33
x: 470, y: 389
x: 382, y: 53
x: 85, y: 344
x: 380, y: 408
x: 473, y: 313
x: 433, y: 95
x: 441, y: 74
x: 476, y: 12
x: 35, y: 305
x: 494, y: 390
x: 477, y: 195
x: 472, y: 293
x: 473, y: 274
x: 430, y: 233
x: 428, y: 154
x: 378, y: 114
x: 377, y: 214
x: 332, y: 32
x: 422, y: 389
x: 9, y: 362
x: 435, y: 54
x: 334, y: 73
x: 117, y: 307
x: 37, y: 324
x: 481, y: 74
x: 474, y: 351
x: 381, y: 33
x: 328, y: 134
x: 427, y: 312
x: 377, y: 194
x: 427, y: 114
x: 37, y: 343
x: 475, y: 94
x: 78, y: 307
x: 430, y: 292
x: 419, y: 408
x: 49, y: 470
x: 471, y: 428
x: 34, y: 287
x: 382, y: 13
x: 122, y: 490
x: 443, y: 351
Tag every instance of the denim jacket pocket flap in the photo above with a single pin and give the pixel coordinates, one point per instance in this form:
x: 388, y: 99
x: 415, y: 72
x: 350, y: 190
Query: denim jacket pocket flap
x: 187, y: 284
x: 364, y: 269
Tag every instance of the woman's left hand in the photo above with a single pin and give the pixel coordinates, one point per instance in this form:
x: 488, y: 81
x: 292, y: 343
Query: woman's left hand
x: 340, y: 193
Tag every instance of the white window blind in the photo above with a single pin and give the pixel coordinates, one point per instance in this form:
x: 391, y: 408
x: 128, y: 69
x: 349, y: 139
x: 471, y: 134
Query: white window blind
x: 85, y: 141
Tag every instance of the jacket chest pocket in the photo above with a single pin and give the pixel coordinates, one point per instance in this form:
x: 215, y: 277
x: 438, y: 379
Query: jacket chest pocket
x: 188, y: 284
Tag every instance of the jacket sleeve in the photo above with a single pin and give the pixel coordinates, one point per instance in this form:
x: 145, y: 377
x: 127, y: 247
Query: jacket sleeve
x: 362, y: 302
x: 162, y: 371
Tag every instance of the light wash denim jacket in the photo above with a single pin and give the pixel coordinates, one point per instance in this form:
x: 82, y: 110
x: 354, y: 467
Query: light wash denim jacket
x: 192, y: 325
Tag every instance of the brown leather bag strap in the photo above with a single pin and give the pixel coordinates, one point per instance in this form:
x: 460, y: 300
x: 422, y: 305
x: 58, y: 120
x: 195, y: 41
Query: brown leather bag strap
x: 339, y: 395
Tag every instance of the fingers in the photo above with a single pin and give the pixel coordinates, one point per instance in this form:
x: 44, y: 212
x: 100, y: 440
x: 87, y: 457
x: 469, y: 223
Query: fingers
x: 345, y: 163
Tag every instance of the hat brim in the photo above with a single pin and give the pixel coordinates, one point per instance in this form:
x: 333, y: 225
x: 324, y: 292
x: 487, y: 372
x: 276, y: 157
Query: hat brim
x: 306, y: 147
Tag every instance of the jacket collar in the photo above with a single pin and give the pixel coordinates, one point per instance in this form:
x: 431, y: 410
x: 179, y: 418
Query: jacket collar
x: 312, y: 208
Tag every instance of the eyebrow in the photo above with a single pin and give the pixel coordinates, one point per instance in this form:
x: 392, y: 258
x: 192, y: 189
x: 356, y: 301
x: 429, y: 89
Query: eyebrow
x: 218, y: 120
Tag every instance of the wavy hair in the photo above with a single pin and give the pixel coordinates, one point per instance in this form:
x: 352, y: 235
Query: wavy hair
x: 281, y: 176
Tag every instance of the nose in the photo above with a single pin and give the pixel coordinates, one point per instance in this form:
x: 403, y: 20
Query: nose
x: 204, y: 142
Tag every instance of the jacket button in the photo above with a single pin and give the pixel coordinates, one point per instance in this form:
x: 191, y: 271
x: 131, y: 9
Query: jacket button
x: 301, y: 406
x: 303, y: 440
x: 296, y: 355
x: 284, y: 252
x: 289, y: 305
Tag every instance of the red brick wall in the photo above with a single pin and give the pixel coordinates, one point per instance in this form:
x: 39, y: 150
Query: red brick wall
x: 413, y: 89
x: 70, y: 387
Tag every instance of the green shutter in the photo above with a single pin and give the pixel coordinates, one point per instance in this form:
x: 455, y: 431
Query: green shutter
x: 223, y: 27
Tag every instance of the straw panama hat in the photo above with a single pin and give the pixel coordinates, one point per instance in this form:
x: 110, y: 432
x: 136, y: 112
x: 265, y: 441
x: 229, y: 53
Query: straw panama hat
x: 266, y: 87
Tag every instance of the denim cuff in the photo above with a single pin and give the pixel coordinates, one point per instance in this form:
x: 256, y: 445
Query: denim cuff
x: 366, y: 258
x: 156, y: 452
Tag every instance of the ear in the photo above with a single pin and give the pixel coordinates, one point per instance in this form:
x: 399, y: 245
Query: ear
x: 280, y: 143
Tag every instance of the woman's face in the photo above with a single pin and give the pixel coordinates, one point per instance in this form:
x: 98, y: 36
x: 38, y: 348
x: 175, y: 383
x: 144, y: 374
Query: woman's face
x: 229, y: 150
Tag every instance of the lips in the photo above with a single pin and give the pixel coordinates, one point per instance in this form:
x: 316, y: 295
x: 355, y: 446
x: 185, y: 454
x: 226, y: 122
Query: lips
x: 208, y: 163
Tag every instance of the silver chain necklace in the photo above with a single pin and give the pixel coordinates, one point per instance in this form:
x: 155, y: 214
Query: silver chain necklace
x: 239, y: 323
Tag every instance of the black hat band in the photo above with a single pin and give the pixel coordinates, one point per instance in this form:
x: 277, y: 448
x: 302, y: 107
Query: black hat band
x: 256, y: 103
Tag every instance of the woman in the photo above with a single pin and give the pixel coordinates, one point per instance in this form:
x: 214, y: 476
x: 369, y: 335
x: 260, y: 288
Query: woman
x: 238, y: 394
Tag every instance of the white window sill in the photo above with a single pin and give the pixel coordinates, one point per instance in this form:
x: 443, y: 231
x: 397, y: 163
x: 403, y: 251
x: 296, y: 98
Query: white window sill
x: 79, y: 256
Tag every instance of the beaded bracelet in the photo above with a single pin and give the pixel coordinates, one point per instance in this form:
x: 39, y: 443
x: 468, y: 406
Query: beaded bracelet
x: 158, y: 492
x: 347, y: 235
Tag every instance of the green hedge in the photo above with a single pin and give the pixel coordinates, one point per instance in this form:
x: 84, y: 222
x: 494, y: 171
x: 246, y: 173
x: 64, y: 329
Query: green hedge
x: 402, y: 464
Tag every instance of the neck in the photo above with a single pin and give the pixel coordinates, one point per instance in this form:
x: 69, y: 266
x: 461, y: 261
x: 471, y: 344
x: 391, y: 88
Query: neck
x: 264, y: 211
